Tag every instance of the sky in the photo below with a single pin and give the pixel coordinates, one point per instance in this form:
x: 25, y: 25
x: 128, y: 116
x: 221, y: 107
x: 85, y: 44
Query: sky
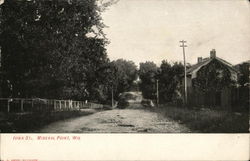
x: 150, y: 30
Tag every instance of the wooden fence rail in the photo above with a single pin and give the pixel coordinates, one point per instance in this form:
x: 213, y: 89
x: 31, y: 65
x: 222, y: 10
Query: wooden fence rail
x: 37, y: 104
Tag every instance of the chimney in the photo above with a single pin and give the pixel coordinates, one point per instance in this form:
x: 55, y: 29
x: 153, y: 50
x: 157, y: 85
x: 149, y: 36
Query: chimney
x: 212, y: 54
x: 199, y: 60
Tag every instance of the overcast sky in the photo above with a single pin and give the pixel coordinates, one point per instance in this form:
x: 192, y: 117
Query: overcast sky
x: 150, y: 30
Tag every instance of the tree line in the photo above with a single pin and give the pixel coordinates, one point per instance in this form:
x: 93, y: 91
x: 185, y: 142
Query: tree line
x: 168, y: 75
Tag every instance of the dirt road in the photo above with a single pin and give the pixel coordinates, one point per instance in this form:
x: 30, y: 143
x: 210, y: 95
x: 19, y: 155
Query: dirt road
x: 117, y: 121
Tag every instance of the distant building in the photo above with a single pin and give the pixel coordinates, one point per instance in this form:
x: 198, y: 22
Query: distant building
x: 200, y: 79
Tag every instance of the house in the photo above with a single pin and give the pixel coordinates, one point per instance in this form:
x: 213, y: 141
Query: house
x: 210, y: 82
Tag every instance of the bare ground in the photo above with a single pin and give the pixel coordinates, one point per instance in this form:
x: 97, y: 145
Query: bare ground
x: 118, y: 121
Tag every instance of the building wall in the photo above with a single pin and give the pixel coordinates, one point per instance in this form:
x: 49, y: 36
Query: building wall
x: 225, y: 97
x: 230, y: 99
x: 215, y: 98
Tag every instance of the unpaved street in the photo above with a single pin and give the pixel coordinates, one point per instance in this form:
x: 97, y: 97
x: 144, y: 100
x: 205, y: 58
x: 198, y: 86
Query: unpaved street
x: 117, y: 121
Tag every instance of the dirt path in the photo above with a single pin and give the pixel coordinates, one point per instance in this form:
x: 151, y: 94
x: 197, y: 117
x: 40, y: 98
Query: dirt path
x: 117, y: 121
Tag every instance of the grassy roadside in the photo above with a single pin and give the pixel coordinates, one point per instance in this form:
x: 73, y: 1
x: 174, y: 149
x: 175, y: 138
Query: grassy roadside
x: 206, y: 120
x: 28, y: 122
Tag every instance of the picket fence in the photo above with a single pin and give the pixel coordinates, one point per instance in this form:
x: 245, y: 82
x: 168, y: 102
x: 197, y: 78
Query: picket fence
x: 38, y: 104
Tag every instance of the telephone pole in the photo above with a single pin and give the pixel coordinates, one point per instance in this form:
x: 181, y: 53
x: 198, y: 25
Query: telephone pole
x: 157, y: 92
x: 112, y: 95
x: 185, y: 71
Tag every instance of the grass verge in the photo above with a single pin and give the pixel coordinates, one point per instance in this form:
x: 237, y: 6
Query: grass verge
x: 208, y: 121
x: 28, y: 122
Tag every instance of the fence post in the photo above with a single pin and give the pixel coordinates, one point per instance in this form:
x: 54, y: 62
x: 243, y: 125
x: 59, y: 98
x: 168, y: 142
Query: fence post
x: 54, y: 105
x: 32, y: 104
x: 51, y: 102
x: 71, y: 104
x: 60, y: 105
x: 8, y: 105
x: 22, y: 105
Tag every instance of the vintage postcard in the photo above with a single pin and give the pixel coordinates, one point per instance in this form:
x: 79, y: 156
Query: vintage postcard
x: 124, y: 80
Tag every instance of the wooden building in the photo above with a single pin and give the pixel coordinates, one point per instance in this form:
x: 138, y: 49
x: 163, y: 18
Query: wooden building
x: 211, y: 82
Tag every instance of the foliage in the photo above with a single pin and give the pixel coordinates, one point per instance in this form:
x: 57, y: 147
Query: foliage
x: 168, y: 75
x: 169, y: 79
x: 147, y: 73
x: 244, y: 73
x: 54, y: 49
x: 243, y: 80
x: 125, y: 76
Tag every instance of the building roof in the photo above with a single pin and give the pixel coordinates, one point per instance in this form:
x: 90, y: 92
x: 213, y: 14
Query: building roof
x: 192, y: 71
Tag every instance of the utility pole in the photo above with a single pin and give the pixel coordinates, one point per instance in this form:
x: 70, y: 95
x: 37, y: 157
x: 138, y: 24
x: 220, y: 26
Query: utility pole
x: 185, y: 70
x: 157, y: 92
x: 112, y: 95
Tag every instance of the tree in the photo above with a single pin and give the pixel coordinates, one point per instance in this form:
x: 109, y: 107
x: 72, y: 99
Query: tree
x: 125, y: 76
x: 243, y: 77
x: 54, y: 49
x: 147, y: 73
x: 169, y: 78
x: 243, y: 80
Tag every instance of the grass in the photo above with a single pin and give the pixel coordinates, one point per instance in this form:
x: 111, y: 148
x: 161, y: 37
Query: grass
x: 28, y: 122
x: 208, y: 121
